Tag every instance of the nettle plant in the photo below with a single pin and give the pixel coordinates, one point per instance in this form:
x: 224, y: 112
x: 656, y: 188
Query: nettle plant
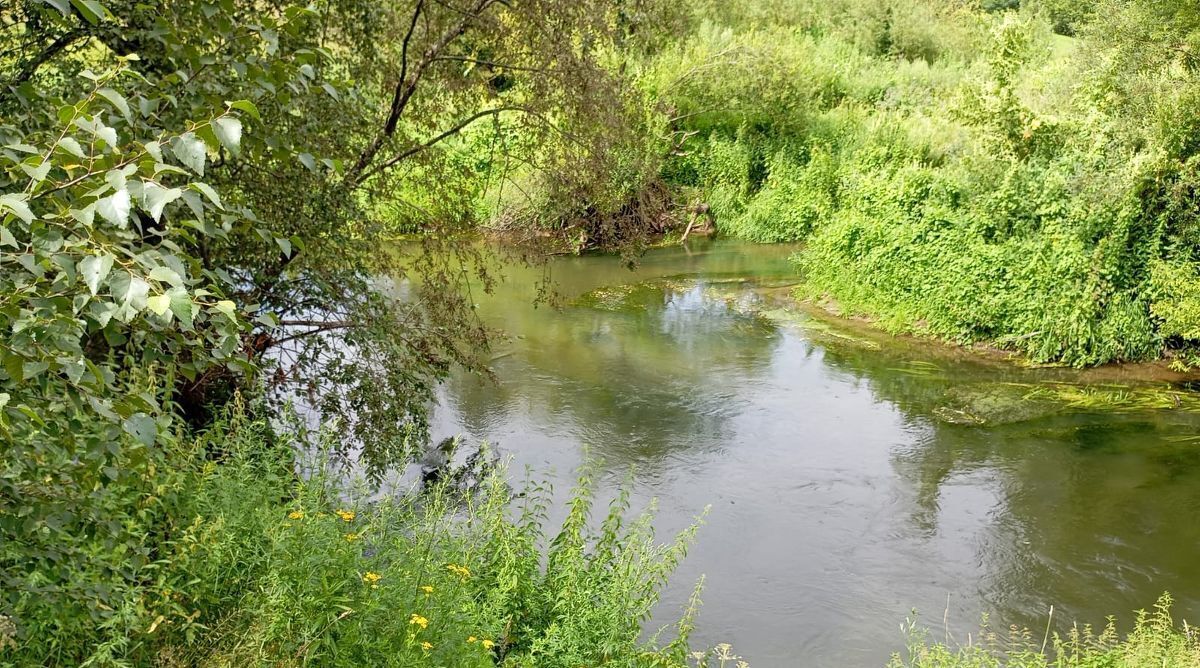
x: 102, y: 217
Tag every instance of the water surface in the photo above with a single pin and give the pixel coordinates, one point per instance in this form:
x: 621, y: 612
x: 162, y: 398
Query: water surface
x: 851, y: 480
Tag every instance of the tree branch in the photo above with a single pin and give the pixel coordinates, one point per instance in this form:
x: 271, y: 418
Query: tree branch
x: 56, y: 47
x: 407, y: 85
x: 457, y: 128
x: 492, y: 64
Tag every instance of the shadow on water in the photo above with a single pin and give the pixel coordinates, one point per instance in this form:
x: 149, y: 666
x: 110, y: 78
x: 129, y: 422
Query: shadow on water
x: 851, y: 478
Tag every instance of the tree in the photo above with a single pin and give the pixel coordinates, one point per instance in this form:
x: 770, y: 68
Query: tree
x: 322, y: 131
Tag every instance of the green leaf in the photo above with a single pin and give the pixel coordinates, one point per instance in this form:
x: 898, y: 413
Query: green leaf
x: 117, y: 100
x: 308, y: 161
x: 182, y: 307
x: 227, y: 307
x: 193, y: 202
x: 94, y: 269
x: 159, y: 304
x: 142, y: 427
x: 166, y: 275
x: 39, y: 173
x: 107, y: 134
x: 229, y: 132
x: 246, y: 106
x: 116, y: 179
x: 14, y: 366
x: 155, y: 198
x: 7, y: 238
x: 130, y: 290
x: 70, y: 145
x: 284, y: 245
x: 63, y: 6
x: 15, y: 202
x: 208, y: 192
x: 86, y: 215
x: 115, y: 208
x: 154, y: 150
x: 91, y: 10
x: 190, y: 151
x: 102, y: 312
x: 148, y: 106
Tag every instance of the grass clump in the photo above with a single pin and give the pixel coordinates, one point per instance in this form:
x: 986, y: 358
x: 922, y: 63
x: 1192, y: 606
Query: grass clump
x: 1154, y: 642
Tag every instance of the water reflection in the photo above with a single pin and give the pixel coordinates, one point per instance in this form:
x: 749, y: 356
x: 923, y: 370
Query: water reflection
x: 850, y: 481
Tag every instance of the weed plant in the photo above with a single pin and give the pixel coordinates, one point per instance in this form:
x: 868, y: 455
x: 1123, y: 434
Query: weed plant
x: 1154, y: 642
x: 249, y: 564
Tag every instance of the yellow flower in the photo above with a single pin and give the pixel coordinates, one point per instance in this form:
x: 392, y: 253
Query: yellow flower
x: 427, y: 589
x: 351, y: 537
x: 488, y: 644
x: 471, y: 638
x: 296, y: 515
x: 371, y: 578
x: 460, y: 571
x: 418, y: 620
x: 427, y: 646
x: 347, y: 515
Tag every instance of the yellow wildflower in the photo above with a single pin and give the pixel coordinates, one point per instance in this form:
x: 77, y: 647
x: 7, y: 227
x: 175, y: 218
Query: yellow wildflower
x: 427, y: 589
x: 426, y: 646
x: 347, y: 515
x: 471, y: 639
x: 418, y: 620
x: 488, y: 644
x: 296, y: 515
x: 371, y: 578
x: 461, y: 571
x: 351, y: 537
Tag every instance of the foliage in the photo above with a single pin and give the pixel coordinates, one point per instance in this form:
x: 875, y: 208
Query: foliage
x: 1155, y: 641
x: 242, y: 563
x: 996, y: 182
x: 213, y: 199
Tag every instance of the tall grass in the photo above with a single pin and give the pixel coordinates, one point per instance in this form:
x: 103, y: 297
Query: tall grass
x: 255, y: 565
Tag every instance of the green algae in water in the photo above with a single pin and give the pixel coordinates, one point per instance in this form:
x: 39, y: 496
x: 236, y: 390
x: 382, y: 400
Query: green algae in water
x: 992, y: 404
x: 629, y: 297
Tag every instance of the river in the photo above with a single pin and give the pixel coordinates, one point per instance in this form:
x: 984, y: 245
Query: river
x: 852, y: 478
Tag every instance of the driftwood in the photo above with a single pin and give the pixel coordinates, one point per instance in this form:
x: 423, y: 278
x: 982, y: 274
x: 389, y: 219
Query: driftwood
x: 698, y: 210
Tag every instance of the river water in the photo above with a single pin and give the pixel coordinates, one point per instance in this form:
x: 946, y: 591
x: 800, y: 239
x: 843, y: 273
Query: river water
x: 851, y: 477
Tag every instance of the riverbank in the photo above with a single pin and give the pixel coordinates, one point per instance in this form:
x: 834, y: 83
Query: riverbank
x: 867, y: 328
x: 1154, y: 642
x: 975, y: 176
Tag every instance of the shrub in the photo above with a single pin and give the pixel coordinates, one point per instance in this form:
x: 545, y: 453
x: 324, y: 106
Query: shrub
x: 241, y: 562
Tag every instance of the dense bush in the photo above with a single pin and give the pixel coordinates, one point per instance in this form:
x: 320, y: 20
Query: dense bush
x: 238, y: 562
x: 990, y: 181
